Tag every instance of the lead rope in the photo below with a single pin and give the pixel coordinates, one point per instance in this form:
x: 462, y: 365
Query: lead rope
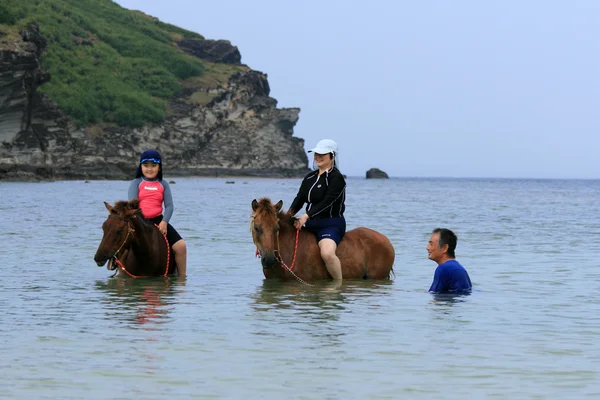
x: 289, y: 269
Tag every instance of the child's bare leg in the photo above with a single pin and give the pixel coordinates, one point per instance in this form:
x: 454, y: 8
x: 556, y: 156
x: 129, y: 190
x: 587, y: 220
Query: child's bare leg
x: 180, y: 250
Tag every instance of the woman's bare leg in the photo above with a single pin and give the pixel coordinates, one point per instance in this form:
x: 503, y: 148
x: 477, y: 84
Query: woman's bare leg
x: 332, y: 262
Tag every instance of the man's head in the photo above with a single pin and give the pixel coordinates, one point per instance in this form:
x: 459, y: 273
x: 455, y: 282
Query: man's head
x: 441, y: 246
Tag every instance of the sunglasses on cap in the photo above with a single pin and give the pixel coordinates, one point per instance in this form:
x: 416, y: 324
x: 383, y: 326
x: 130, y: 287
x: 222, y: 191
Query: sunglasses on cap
x: 152, y: 160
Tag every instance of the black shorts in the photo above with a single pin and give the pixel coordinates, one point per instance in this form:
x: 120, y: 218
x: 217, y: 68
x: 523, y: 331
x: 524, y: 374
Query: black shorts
x: 327, y: 228
x: 172, y: 235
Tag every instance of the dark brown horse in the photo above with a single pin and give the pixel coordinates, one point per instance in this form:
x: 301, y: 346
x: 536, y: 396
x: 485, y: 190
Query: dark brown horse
x: 363, y: 252
x: 133, y: 244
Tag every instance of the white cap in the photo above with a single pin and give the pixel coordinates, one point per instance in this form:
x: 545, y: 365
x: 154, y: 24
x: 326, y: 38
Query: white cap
x: 325, y: 146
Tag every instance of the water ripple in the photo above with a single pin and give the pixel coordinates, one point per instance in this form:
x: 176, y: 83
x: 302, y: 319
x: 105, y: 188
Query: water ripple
x: 528, y: 330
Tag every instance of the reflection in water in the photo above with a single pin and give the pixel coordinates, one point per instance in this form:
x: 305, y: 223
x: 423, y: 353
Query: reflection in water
x: 444, y: 301
x: 286, y: 295
x: 449, y: 298
x: 291, y: 309
x: 141, y: 302
x: 278, y: 294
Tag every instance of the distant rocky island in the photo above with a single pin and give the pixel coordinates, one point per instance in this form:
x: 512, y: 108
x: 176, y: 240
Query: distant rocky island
x: 376, y: 173
x: 85, y: 89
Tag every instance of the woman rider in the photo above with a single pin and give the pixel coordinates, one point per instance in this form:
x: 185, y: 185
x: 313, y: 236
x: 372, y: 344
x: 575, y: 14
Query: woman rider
x: 324, y: 191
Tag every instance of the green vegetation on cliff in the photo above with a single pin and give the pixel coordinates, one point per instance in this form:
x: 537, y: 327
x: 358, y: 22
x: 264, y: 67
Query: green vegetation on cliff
x: 107, y: 63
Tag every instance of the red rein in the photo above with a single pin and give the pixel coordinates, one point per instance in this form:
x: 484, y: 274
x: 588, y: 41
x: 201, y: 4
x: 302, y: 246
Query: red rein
x: 295, y: 251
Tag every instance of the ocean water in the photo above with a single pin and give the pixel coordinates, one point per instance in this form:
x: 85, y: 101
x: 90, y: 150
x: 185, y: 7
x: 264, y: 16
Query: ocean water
x: 529, y: 330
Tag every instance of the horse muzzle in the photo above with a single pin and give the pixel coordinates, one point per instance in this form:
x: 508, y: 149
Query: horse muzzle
x: 100, y: 260
x: 269, y: 261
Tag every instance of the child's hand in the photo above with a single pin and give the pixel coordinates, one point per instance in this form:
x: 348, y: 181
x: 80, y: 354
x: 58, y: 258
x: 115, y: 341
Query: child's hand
x: 163, y: 227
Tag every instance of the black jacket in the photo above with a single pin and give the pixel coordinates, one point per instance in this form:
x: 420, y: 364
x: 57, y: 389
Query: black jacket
x: 325, y: 195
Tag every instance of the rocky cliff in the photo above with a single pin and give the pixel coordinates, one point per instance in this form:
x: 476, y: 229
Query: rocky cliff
x: 213, y: 129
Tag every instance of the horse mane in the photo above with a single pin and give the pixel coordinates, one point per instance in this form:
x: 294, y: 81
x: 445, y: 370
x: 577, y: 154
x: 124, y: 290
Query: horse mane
x: 285, y: 218
x: 120, y: 206
x: 267, y: 208
x: 123, y: 206
x: 134, y: 204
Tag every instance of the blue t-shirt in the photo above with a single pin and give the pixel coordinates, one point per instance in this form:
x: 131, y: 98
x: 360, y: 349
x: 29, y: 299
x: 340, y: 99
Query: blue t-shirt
x: 450, y: 277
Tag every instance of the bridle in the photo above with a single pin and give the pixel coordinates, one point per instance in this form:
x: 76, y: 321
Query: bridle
x: 130, y: 231
x: 277, y: 252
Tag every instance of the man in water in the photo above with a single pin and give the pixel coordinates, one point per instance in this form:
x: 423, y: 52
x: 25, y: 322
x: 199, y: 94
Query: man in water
x: 450, y: 276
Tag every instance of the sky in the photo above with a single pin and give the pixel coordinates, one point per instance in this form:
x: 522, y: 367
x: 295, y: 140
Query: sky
x: 495, y: 89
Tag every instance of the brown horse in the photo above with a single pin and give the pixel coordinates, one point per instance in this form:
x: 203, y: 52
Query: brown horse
x: 286, y: 254
x: 133, y: 244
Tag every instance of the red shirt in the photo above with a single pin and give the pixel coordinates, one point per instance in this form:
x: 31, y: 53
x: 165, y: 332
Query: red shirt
x: 151, y: 195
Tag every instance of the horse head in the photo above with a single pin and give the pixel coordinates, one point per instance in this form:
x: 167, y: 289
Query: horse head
x: 118, y: 230
x: 265, y: 230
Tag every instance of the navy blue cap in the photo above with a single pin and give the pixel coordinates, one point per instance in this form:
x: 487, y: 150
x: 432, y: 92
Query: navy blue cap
x: 151, y: 156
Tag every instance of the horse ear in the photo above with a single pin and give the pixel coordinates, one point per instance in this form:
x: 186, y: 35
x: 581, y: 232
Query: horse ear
x: 108, y: 206
x: 279, y: 205
x: 254, y: 205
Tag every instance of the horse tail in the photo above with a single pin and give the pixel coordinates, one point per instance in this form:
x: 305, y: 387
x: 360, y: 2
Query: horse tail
x: 392, y: 273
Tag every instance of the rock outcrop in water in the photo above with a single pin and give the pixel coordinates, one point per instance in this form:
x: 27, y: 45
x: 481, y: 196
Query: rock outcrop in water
x: 238, y: 130
x: 376, y: 173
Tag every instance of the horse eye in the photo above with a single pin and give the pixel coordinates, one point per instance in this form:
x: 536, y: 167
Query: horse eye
x: 257, y: 229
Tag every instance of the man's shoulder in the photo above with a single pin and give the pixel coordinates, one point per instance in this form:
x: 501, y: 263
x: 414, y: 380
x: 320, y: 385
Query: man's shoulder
x: 452, y: 261
x: 451, y: 264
